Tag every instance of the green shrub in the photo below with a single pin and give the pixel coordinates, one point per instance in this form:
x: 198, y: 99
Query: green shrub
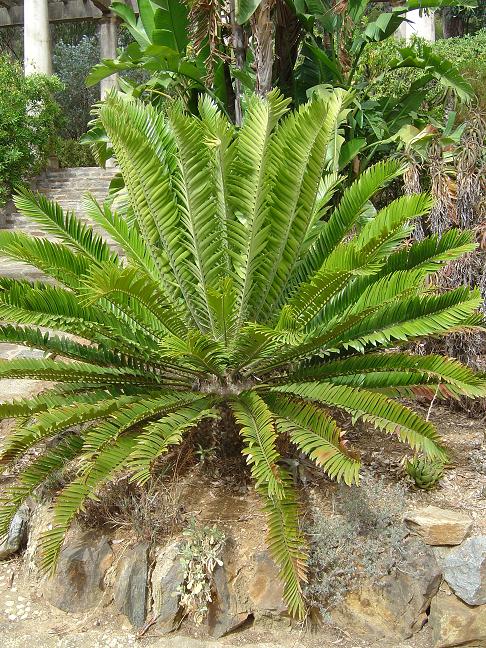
x: 200, y: 554
x: 363, y: 539
x: 251, y: 298
x: 72, y: 62
x: 71, y: 153
x: 29, y: 116
x: 467, y: 53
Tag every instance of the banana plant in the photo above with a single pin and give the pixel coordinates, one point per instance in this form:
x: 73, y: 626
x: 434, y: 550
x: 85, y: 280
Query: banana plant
x: 247, y: 293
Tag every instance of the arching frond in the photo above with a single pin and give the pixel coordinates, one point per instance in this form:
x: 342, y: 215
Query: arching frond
x: 382, y: 412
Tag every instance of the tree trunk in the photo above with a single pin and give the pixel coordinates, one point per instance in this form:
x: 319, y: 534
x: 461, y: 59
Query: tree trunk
x: 452, y: 25
x: 262, y: 30
x: 239, y: 51
x: 287, y: 37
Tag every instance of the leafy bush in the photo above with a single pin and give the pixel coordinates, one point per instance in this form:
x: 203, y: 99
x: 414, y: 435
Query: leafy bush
x: 362, y: 540
x: 71, y: 153
x: 28, y: 118
x: 72, y: 62
x: 468, y: 54
x: 200, y: 554
x: 249, y: 297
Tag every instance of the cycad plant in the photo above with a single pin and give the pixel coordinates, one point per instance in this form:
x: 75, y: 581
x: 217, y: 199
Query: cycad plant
x: 244, y: 288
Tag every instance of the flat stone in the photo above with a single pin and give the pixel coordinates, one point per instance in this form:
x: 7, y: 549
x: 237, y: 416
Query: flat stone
x: 465, y: 570
x: 130, y: 589
x: 17, y: 533
x: 438, y: 526
x: 167, y: 577
x: 78, y: 583
x: 454, y: 623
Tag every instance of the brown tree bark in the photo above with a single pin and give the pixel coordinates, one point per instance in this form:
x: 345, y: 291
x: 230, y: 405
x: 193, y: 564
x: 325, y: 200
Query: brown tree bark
x: 452, y: 25
x: 262, y: 34
x: 287, y: 37
x: 239, y: 51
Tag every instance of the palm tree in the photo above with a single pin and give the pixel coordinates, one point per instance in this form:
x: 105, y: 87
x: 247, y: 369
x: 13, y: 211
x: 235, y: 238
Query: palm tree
x: 247, y: 288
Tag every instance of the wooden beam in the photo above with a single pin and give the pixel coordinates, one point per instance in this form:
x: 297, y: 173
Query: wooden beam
x: 12, y: 12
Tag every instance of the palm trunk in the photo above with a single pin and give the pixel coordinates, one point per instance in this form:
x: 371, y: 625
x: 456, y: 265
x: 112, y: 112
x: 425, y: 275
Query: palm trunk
x: 287, y: 37
x: 239, y: 52
x: 262, y: 30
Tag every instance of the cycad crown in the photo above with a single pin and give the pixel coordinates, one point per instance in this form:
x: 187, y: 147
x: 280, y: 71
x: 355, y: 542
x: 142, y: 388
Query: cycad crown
x: 243, y: 288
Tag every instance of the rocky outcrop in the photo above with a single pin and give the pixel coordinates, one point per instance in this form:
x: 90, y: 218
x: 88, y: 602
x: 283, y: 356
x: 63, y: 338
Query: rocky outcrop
x: 17, y: 534
x: 395, y: 605
x: 130, y: 588
x: 438, y: 526
x: 454, y: 623
x: 465, y: 571
x: 78, y: 583
x: 223, y: 613
x: 245, y: 586
x: 167, y: 577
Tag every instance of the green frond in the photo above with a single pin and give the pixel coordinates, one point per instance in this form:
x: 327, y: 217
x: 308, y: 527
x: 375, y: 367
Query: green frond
x: 390, y: 369
x: 147, y: 165
x: 52, y: 421
x: 297, y: 159
x: 316, y: 434
x: 56, y: 371
x: 119, y: 229
x: 259, y: 437
x: 62, y: 346
x: 157, y: 437
x: 345, y: 216
x: 48, y: 400
x: 219, y: 134
x: 201, y: 351
x: 248, y: 186
x: 65, y: 226
x: 34, y: 475
x: 376, y: 409
x: 432, y: 253
x: 132, y: 413
x: 198, y: 208
x: 70, y: 500
x: 54, y: 259
x: 222, y: 302
x: 107, y: 280
x: 287, y: 544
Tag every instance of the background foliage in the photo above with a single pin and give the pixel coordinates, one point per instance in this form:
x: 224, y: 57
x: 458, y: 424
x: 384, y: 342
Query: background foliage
x: 28, y: 118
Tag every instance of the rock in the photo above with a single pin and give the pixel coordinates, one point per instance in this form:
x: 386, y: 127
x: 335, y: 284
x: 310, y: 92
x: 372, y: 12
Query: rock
x: 167, y: 577
x: 454, y: 623
x: 394, y: 606
x: 223, y: 615
x: 265, y: 588
x: 438, y: 526
x: 78, y: 583
x: 465, y: 570
x: 17, y: 533
x: 130, y: 590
